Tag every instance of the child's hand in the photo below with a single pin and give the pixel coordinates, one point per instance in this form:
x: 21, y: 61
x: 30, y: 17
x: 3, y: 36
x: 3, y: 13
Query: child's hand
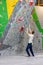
x: 26, y: 29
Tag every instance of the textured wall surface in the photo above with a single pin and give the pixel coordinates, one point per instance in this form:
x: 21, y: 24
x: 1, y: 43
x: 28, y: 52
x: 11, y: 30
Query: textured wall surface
x: 15, y: 42
x: 15, y: 39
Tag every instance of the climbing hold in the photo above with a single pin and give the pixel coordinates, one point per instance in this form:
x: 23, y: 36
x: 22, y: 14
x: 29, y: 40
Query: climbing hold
x: 11, y: 23
x: 39, y: 40
x: 12, y: 18
x: 19, y: 19
x: 20, y: 0
x: 31, y: 2
x: 21, y: 28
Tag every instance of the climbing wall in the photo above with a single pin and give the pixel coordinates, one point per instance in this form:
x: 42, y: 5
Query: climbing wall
x: 18, y: 22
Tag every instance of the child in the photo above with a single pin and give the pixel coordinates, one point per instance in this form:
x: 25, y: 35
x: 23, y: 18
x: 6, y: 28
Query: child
x: 29, y: 46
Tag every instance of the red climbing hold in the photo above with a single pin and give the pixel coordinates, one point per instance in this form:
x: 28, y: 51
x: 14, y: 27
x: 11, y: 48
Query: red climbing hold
x: 31, y: 2
x: 22, y: 28
x: 20, y: 0
x: 19, y: 19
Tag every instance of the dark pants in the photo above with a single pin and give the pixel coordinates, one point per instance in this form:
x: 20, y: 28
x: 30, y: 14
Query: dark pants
x: 29, y: 47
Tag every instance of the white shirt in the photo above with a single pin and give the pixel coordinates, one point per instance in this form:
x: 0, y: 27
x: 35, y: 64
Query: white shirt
x: 31, y: 36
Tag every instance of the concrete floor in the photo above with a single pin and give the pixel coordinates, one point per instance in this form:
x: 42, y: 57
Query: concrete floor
x: 22, y: 60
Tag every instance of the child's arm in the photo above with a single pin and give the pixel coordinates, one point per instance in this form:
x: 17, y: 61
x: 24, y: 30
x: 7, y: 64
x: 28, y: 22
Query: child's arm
x: 30, y: 28
x: 27, y: 31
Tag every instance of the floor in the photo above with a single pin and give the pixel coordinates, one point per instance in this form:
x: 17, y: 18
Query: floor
x: 22, y: 60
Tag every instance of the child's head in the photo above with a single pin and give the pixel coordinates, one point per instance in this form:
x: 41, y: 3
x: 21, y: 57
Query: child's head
x: 32, y: 32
